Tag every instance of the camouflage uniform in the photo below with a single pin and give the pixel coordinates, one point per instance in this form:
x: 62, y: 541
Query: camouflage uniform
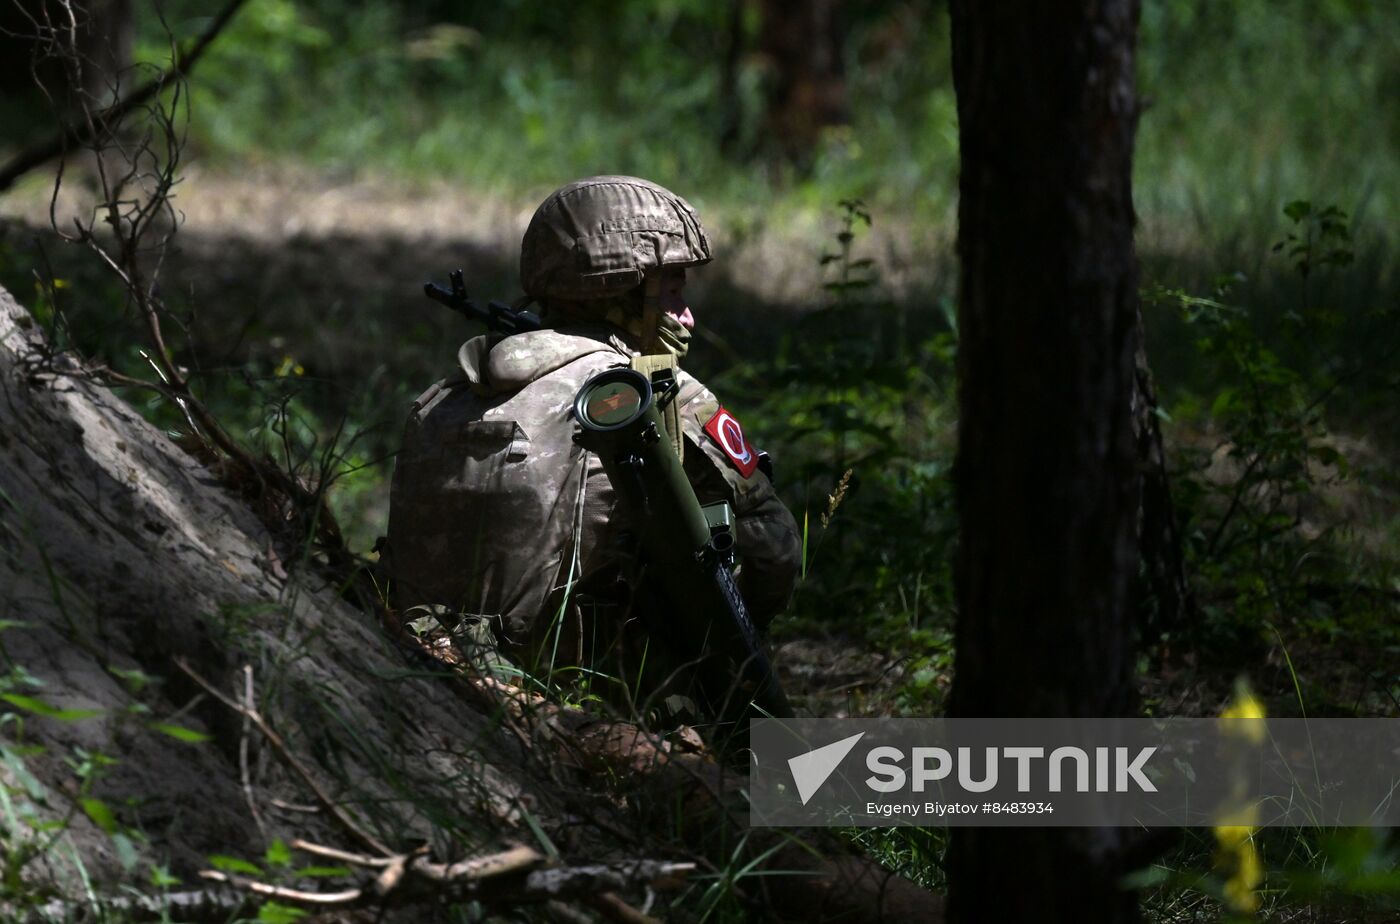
x: 496, y: 514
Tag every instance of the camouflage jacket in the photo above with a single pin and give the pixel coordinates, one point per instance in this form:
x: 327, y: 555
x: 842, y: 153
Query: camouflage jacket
x: 494, y: 510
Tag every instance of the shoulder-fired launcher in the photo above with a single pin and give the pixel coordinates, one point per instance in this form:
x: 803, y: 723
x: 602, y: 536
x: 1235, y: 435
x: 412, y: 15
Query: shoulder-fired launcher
x: 690, y: 557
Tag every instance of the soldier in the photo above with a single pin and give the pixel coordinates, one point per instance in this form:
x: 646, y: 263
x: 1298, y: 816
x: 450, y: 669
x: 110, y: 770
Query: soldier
x: 498, y: 518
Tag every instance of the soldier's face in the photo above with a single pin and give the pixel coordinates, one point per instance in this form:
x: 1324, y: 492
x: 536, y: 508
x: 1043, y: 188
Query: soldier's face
x: 673, y: 297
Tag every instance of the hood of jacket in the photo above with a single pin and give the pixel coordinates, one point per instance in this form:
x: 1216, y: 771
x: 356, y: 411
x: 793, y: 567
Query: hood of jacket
x: 496, y: 364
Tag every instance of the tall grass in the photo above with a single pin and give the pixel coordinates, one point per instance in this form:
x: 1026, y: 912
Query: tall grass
x: 1251, y: 103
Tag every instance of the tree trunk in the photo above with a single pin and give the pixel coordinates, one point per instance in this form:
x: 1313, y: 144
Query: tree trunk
x: 1047, y: 481
x: 105, y: 40
x: 801, y: 39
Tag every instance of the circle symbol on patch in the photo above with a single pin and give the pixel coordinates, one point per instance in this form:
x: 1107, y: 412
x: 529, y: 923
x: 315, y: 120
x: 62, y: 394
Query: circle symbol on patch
x: 732, y: 439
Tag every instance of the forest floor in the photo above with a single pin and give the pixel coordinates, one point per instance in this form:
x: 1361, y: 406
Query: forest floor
x: 274, y: 265
x: 379, y: 234
x: 279, y: 267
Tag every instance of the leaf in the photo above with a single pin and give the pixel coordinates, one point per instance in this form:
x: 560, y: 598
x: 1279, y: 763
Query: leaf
x: 180, y: 732
x: 278, y: 854
x: 31, y: 785
x: 324, y: 872
x: 135, y: 680
x: 161, y: 878
x: 1146, y: 878
x: 1222, y: 402
x: 126, y: 851
x: 39, y: 707
x: 273, y: 913
x: 1298, y: 209
x: 229, y: 864
x: 100, y: 814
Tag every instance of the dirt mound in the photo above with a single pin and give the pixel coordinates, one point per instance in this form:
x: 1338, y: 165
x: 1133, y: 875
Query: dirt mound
x: 120, y: 554
x: 171, y: 699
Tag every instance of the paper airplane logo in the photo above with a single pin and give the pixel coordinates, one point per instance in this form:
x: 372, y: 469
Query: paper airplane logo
x: 810, y: 770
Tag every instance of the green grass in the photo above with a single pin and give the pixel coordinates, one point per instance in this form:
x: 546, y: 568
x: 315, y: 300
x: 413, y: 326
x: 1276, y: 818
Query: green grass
x: 1250, y: 103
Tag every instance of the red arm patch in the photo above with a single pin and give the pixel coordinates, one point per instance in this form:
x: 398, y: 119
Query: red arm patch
x: 729, y: 437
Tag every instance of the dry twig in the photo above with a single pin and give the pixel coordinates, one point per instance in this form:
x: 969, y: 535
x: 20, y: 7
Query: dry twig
x: 351, y: 826
x: 516, y: 875
x: 243, y: 773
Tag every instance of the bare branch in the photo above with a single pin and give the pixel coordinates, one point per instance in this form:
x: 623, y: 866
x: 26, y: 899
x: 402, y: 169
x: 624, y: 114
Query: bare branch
x: 244, y: 775
x: 493, y: 880
x: 342, y: 856
x: 91, y: 131
x: 321, y: 899
x: 351, y: 826
x: 517, y: 858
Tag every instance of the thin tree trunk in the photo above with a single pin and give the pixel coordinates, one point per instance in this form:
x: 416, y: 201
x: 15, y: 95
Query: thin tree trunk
x: 1047, y: 476
x: 74, y: 135
x: 801, y: 40
x: 105, y: 39
x: 1163, y: 579
x: 731, y: 106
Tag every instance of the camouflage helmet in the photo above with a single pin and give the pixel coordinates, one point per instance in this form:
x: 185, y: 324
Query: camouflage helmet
x: 599, y: 236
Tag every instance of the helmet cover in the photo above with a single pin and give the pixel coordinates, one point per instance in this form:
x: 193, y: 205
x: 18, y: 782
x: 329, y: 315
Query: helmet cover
x: 601, y: 235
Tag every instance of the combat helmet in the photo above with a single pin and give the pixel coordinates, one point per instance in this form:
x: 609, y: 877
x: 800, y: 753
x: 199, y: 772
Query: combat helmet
x: 599, y: 236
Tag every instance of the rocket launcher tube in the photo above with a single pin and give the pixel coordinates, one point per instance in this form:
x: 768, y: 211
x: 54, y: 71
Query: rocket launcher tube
x: 621, y: 423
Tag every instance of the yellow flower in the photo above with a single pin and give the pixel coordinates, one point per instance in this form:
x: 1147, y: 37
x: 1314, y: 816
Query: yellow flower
x: 1236, y: 857
x: 1245, y: 705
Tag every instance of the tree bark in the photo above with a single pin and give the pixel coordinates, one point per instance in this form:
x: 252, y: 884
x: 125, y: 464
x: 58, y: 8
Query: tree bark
x: 1047, y: 478
x: 102, y: 38
x: 801, y: 39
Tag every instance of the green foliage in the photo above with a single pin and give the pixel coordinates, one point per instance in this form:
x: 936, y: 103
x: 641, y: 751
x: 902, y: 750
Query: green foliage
x: 275, y: 913
x: 278, y: 855
x: 1321, y: 238
x: 517, y: 97
x: 41, y: 708
x: 1347, y: 871
x: 855, y: 406
x: 1260, y: 473
x: 37, y: 820
x: 180, y: 733
x: 856, y: 401
x: 1301, y: 98
x: 915, y: 853
x: 228, y: 864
